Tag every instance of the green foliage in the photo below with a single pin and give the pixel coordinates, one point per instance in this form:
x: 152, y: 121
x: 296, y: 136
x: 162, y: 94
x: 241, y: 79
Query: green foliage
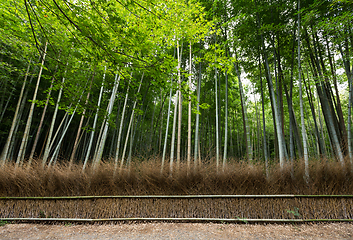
x: 243, y: 220
x: 42, y: 214
x: 295, y: 212
x: 132, y: 38
x: 3, y: 223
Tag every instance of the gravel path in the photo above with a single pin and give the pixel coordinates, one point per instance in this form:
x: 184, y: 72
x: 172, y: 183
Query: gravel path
x: 155, y: 231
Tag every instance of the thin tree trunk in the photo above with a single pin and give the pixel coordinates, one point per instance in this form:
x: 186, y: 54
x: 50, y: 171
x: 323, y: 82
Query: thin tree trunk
x: 258, y: 126
x: 346, y: 63
x: 19, y: 117
x: 217, y: 125
x: 349, y: 123
x: 290, y: 107
x: 166, y: 131
x: 337, y: 119
x: 328, y: 115
x: 225, y: 124
x: 305, y: 146
x: 121, y: 128
x: 245, y: 117
x: 41, y: 121
x: 189, y: 112
x: 280, y: 137
x: 130, y: 125
x: 150, y: 140
x: 264, y: 123
x: 58, y: 145
x: 320, y: 142
x: 3, y: 110
x: 49, y: 139
x: 101, y: 144
x: 159, y: 119
x: 22, y: 151
x: 6, y: 148
x: 80, y: 127
x: 161, y: 125
x: 94, y: 122
x: 132, y: 134
x: 179, y: 54
x: 338, y: 105
x: 197, y: 140
x: 172, y: 145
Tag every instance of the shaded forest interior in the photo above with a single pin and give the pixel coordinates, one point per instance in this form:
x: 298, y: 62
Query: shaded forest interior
x: 176, y: 97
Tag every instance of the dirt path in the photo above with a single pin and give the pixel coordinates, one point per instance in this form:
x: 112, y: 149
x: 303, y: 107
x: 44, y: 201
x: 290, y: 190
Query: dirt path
x: 177, y: 231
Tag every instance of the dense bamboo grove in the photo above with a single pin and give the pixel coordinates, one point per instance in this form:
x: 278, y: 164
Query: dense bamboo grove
x: 184, y: 82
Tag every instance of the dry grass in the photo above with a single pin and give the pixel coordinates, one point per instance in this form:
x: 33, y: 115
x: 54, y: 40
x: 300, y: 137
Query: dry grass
x: 180, y: 208
x: 145, y: 179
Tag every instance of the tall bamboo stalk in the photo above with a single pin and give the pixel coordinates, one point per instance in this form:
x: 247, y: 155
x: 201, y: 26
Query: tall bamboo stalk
x: 264, y: 123
x: 21, y: 153
x: 280, y: 137
x: 249, y: 152
x: 105, y: 126
x: 197, y: 138
x: 41, y: 121
x: 305, y: 146
x: 66, y: 127
x: 80, y: 127
x: 130, y: 125
x: 179, y: 54
x: 172, y: 144
x: 6, y: 148
x: 3, y: 109
x: 94, y: 122
x: 349, y: 121
x: 217, y: 124
x: 49, y: 138
x: 166, y: 132
x: 225, y: 125
x: 189, y: 112
x: 350, y: 99
x: 121, y: 127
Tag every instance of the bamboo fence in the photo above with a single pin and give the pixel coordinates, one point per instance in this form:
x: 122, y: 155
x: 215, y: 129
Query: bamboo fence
x: 287, y: 208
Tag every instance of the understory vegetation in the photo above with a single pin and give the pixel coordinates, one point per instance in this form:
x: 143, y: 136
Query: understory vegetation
x: 145, y: 178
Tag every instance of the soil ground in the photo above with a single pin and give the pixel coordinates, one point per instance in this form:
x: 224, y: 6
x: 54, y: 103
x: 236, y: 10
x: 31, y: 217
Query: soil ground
x: 178, y: 231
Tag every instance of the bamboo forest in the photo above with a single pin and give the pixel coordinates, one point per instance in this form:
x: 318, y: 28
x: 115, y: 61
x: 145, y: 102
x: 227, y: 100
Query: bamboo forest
x: 189, y: 96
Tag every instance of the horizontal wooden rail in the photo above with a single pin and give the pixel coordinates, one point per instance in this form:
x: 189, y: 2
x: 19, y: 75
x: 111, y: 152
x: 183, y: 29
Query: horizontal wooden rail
x: 177, y: 197
x: 221, y: 220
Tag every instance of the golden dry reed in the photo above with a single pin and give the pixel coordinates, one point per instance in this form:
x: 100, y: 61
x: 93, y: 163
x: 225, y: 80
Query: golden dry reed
x: 144, y: 178
x: 223, y: 208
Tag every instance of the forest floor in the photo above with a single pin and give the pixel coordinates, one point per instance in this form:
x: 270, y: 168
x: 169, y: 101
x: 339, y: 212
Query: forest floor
x: 178, y: 231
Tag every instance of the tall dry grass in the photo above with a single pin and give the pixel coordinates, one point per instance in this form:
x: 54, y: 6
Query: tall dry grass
x: 144, y: 178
